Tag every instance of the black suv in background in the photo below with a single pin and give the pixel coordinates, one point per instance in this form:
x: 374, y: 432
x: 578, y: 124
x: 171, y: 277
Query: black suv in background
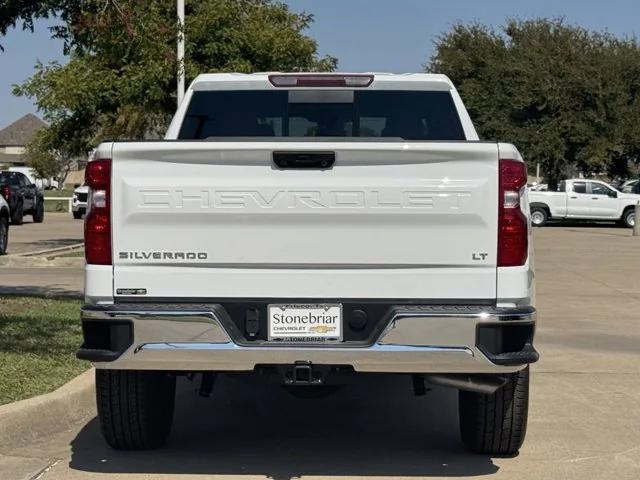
x: 23, y: 197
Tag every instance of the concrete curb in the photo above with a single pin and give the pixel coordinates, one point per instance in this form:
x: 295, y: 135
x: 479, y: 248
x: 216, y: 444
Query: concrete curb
x: 40, y: 292
x: 27, y: 420
x: 66, y: 248
x: 50, y: 257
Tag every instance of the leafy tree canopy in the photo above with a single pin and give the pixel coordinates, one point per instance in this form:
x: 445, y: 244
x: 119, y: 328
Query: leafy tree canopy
x: 50, y: 157
x: 120, y: 81
x: 569, y: 98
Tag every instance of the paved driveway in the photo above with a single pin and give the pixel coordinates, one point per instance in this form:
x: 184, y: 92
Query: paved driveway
x: 57, y: 230
x: 42, y: 281
x: 584, y: 416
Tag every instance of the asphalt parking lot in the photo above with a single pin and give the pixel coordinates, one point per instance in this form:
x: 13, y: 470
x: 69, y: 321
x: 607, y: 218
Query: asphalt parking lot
x: 57, y: 230
x: 584, y: 418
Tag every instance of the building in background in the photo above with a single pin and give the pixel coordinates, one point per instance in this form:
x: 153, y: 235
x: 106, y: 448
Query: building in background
x: 15, y: 137
x: 13, y: 141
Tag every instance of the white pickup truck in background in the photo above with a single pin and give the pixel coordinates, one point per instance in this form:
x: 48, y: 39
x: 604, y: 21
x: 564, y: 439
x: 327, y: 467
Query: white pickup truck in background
x: 308, y: 228
x: 79, y: 204
x: 581, y: 199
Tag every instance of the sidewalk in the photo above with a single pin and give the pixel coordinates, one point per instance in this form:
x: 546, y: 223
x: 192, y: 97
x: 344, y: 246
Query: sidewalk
x: 46, y: 282
x: 57, y: 230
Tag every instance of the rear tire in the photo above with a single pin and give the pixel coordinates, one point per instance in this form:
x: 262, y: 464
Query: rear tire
x: 77, y: 215
x: 38, y: 213
x: 629, y: 217
x: 135, y: 407
x: 496, y: 423
x: 16, y: 216
x: 4, y: 234
x: 539, y: 217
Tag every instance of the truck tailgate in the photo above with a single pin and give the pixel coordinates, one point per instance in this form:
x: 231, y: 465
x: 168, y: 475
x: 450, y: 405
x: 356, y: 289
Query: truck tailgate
x: 393, y: 220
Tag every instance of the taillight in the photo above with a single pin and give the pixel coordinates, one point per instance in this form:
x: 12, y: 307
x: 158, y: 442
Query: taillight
x: 320, y: 80
x: 512, y: 223
x: 97, y: 225
x: 5, y: 191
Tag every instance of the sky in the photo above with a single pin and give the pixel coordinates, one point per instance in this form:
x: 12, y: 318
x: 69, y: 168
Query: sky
x: 365, y: 35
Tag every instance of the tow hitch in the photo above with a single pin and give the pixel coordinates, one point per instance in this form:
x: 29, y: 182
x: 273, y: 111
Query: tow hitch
x: 303, y: 373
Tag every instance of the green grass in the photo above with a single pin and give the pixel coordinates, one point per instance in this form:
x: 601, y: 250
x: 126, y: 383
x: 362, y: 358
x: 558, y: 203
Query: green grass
x: 38, y: 341
x: 56, y: 206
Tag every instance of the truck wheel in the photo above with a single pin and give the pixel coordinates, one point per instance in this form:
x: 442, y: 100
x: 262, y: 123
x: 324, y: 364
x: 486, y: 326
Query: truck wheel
x: 496, y: 423
x: 16, y: 216
x: 629, y: 217
x: 4, y: 234
x: 539, y: 216
x: 38, y: 213
x: 135, y: 407
x: 77, y: 215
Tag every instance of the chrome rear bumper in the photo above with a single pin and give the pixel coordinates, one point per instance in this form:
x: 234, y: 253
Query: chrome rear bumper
x: 417, y: 339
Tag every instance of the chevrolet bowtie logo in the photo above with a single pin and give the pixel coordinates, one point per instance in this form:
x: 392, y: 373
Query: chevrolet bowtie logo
x: 321, y: 329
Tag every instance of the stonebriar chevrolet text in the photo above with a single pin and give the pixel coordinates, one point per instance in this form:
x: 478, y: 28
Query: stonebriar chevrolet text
x: 309, y: 228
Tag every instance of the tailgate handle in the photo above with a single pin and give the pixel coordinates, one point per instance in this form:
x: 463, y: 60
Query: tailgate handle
x: 317, y: 160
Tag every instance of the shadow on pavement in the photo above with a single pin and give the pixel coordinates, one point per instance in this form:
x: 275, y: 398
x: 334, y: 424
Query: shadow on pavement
x: 373, y: 427
x: 584, y: 223
x: 48, y: 291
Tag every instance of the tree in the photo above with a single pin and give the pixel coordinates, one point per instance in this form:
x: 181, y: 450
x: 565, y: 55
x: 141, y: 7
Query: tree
x: 120, y: 81
x: 12, y: 11
x: 569, y: 98
x: 49, y: 154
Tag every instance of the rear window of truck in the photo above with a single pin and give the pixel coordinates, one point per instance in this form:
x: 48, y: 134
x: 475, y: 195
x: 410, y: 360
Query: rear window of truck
x: 9, y: 178
x: 391, y: 114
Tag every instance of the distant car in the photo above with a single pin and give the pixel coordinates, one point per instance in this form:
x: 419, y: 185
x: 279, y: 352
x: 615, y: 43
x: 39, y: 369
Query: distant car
x: 630, y: 186
x: 23, y: 197
x: 540, y: 187
x: 4, y: 225
x: 580, y: 199
x: 41, y: 183
x: 79, y: 203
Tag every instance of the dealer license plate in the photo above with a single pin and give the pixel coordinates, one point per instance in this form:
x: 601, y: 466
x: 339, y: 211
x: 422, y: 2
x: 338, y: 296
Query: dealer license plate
x: 305, y: 323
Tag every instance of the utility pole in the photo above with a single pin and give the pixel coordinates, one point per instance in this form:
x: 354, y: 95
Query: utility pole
x: 180, y: 7
x: 636, y: 221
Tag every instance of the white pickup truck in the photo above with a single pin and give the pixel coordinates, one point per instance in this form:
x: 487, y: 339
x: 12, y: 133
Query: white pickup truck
x: 581, y: 199
x: 310, y: 227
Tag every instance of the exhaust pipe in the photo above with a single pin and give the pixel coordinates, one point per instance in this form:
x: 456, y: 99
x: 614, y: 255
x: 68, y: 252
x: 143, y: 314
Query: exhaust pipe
x: 486, y: 384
